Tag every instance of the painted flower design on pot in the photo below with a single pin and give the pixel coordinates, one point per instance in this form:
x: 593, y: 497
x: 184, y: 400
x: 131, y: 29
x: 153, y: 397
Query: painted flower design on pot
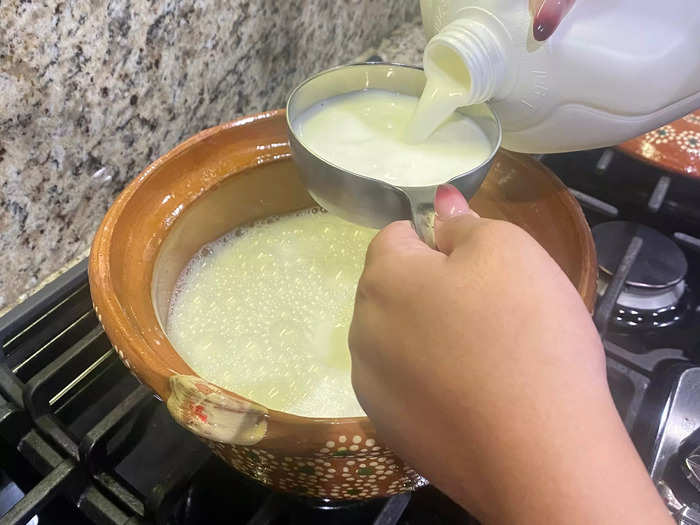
x: 663, y: 135
x: 693, y: 118
x: 689, y: 141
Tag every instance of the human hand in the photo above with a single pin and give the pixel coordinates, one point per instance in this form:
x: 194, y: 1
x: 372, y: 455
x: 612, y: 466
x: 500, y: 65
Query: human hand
x: 547, y: 16
x: 479, y: 364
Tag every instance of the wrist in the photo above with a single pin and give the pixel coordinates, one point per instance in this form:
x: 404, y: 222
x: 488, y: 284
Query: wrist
x: 579, y: 468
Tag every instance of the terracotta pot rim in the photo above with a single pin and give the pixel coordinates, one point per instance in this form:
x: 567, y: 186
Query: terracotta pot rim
x: 669, y: 156
x: 103, y: 293
x: 587, y: 286
x: 630, y: 149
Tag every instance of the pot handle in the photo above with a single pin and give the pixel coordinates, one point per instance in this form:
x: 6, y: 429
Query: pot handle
x: 212, y: 413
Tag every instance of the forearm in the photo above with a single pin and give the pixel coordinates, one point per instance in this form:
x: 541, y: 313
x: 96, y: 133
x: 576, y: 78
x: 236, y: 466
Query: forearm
x: 572, y: 470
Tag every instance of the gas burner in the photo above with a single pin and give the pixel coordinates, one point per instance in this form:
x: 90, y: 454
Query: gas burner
x: 644, y: 309
x: 654, y: 294
x: 660, y: 264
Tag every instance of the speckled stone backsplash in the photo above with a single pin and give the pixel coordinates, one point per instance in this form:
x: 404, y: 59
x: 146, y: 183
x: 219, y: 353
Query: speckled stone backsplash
x: 92, y: 91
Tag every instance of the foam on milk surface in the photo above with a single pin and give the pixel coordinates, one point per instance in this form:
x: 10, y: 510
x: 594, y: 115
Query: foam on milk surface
x: 366, y: 132
x: 265, y: 312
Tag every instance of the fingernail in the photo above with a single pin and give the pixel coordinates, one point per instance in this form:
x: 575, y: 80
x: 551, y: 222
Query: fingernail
x: 546, y: 20
x: 449, y: 202
x: 548, y: 17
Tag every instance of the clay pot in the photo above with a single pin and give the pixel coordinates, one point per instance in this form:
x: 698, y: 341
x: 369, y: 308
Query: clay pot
x: 233, y: 174
x: 674, y: 148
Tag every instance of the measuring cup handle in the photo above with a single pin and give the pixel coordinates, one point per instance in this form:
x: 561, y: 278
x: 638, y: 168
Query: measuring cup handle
x: 423, y: 214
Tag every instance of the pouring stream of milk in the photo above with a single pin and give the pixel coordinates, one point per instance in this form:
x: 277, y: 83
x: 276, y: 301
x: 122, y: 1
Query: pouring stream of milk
x: 447, y: 88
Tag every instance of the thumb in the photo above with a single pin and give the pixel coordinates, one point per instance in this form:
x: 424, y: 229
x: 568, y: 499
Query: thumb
x: 453, y: 218
x: 449, y: 202
x: 395, y: 240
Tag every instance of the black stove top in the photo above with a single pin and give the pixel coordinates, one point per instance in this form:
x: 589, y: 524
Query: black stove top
x: 81, y: 441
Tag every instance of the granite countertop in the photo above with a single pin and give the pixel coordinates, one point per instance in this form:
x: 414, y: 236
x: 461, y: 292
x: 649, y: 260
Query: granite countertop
x: 91, y: 93
x: 404, y: 45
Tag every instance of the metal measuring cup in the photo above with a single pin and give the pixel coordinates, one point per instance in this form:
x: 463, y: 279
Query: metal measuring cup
x: 363, y: 200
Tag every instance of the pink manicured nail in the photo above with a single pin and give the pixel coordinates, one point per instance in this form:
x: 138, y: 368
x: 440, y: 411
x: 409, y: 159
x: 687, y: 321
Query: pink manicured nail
x: 449, y: 202
x: 548, y: 17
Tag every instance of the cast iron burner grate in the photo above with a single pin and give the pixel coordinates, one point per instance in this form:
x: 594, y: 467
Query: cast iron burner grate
x: 81, y: 441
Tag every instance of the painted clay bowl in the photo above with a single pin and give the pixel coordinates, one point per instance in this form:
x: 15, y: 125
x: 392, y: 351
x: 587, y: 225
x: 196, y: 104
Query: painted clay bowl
x: 233, y: 174
x: 674, y: 148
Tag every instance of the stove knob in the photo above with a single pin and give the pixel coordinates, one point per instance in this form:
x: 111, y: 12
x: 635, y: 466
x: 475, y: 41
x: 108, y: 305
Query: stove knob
x: 669, y: 497
x: 688, y: 516
x: 683, y: 514
x: 691, y: 468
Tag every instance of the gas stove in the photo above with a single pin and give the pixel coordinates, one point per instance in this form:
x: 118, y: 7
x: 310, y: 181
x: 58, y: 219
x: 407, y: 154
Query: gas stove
x: 81, y: 441
x: 646, y: 227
